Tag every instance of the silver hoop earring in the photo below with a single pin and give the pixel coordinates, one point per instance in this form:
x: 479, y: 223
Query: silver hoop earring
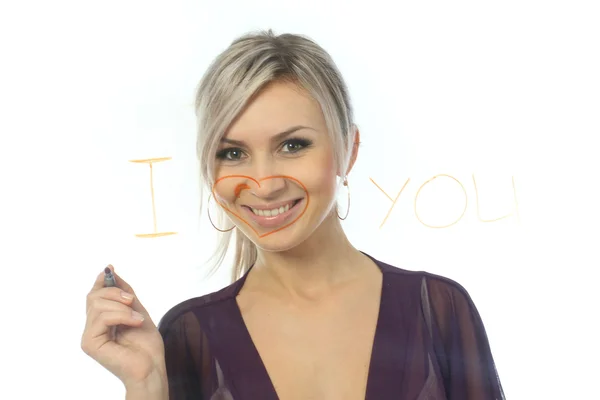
x: 348, y: 209
x: 210, y: 219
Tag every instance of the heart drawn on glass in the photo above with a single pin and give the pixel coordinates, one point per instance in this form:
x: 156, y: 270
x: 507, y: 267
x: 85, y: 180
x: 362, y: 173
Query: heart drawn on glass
x: 240, y: 187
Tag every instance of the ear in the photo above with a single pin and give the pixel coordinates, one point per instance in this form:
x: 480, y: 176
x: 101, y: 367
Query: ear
x: 354, y: 148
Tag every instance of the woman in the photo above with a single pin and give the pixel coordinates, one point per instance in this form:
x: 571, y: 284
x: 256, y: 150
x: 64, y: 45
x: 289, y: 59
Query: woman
x: 307, y: 316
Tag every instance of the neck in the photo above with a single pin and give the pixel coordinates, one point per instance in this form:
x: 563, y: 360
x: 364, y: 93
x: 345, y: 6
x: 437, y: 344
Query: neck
x: 312, y: 269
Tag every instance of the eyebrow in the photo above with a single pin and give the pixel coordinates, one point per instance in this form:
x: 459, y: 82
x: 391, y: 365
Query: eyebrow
x: 278, y: 137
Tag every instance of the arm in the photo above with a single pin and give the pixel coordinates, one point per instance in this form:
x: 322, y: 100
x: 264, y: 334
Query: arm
x: 462, y: 345
x: 155, y: 388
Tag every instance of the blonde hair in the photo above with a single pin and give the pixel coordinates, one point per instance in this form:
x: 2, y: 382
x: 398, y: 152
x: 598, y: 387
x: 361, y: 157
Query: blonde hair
x: 235, y: 77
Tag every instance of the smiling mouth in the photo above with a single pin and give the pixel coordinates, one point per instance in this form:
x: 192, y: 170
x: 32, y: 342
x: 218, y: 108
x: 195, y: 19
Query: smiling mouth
x: 274, y: 211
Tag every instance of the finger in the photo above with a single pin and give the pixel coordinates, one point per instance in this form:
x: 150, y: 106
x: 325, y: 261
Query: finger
x: 102, y: 327
x: 99, y: 323
x: 120, y: 282
x: 112, y: 294
x: 100, y: 305
x: 135, y: 304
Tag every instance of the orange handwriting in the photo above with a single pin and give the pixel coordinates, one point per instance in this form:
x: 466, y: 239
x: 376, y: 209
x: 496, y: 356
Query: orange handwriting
x: 154, y: 234
x: 463, y: 211
x: 241, y: 187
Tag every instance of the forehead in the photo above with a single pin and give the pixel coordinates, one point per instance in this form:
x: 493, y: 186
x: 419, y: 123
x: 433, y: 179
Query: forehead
x: 277, y: 107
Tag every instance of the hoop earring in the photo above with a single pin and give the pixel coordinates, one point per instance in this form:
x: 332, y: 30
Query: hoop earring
x: 348, y: 210
x: 210, y: 219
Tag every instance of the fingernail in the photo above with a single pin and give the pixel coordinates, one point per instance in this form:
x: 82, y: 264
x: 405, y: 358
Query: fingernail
x: 126, y: 295
x: 137, y: 315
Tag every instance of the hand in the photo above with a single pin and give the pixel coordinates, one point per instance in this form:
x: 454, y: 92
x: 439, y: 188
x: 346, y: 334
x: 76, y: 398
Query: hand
x: 137, y: 352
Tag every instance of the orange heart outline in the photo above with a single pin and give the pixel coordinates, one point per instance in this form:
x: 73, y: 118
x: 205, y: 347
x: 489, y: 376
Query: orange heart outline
x: 258, y: 183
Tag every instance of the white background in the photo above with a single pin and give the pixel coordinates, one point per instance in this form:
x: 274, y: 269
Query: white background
x: 494, y: 90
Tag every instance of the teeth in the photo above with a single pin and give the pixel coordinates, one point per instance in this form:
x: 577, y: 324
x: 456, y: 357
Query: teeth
x: 271, y: 213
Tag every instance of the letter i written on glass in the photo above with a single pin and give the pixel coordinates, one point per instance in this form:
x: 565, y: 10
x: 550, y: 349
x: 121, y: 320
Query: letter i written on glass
x: 156, y: 233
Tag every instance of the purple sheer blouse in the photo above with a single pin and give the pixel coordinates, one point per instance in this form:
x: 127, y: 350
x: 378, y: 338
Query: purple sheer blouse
x: 430, y: 344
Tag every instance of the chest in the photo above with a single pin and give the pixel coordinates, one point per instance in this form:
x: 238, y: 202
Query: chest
x: 321, y: 352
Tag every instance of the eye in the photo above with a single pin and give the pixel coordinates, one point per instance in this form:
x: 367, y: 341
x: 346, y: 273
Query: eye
x: 295, y: 145
x: 230, y: 154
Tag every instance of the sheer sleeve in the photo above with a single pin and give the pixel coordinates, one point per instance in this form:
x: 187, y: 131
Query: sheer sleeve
x: 187, y: 357
x: 461, y: 343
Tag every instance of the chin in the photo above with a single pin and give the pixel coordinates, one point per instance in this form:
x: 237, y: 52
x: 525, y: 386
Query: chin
x: 283, y: 240
x: 276, y: 247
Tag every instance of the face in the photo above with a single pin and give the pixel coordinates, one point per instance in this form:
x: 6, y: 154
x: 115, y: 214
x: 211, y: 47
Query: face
x: 275, y: 168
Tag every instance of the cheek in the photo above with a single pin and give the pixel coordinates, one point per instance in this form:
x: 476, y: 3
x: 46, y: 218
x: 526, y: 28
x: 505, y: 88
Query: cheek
x: 322, y: 178
x: 226, y: 191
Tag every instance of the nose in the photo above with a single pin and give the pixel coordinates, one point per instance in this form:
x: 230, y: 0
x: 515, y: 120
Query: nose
x: 271, y: 184
x: 270, y: 188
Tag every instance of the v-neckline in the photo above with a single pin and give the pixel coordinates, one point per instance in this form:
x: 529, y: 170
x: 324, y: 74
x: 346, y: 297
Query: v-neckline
x: 258, y: 361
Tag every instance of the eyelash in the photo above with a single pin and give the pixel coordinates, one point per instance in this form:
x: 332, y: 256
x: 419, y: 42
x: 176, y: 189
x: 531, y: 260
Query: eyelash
x: 304, y: 143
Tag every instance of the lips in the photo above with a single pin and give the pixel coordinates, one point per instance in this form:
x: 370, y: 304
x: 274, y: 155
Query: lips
x: 287, y: 217
x: 278, y: 217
